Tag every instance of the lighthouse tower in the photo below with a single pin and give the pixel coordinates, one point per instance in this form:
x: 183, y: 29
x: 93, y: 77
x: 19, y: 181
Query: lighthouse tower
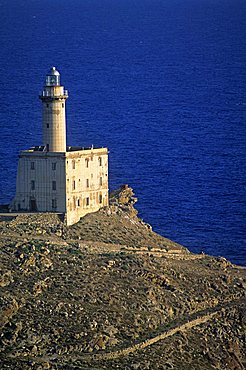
x: 53, y: 98
x: 53, y: 177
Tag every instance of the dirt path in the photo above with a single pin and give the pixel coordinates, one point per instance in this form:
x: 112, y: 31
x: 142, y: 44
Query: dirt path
x: 149, y: 342
x: 200, y: 318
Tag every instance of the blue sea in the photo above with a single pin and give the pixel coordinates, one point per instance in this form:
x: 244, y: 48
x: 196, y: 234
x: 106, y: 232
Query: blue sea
x: 162, y: 83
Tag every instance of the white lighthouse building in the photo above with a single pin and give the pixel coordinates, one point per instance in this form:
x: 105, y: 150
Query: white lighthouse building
x: 54, y: 177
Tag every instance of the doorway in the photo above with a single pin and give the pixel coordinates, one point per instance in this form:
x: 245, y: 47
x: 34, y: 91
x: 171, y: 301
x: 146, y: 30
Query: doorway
x: 33, y: 205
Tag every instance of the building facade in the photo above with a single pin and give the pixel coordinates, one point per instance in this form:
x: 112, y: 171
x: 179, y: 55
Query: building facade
x: 54, y: 177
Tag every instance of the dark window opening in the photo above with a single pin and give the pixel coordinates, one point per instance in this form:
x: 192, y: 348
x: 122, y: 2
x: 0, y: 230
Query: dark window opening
x: 54, y: 203
x: 87, y: 201
x: 53, y: 185
x: 100, y: 198
x: 32, y: 185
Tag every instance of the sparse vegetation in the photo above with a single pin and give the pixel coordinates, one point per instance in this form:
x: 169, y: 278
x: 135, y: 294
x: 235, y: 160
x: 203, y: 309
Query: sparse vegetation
x: 69, y: 300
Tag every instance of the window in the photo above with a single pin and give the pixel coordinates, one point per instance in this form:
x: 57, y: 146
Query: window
x: 101, y: 181
x: 54, y: 166
x: 54, y: 203
x: 32, y: 185
x: 100, y: 198
x: 87, y: 162
x: 73, y: 164
x: 53, y: 185
x: 87, y: 201
x: 47, y: 105
x: 100, y: 161
x: 62, y: 105
x: 78, y: 202
x: 87, y: 183
x: 74, y: 184
x: 32, y: 166
x: 47, y: 147
x: 48, y: 125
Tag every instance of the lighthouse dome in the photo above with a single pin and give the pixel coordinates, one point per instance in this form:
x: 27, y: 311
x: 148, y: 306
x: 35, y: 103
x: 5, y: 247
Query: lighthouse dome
x: 54, y: 72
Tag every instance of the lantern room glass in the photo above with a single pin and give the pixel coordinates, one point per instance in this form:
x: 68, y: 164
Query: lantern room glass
x: 53, y: 80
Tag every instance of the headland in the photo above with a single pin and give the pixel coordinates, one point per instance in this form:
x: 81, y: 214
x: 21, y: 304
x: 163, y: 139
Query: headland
x: 110, y: 293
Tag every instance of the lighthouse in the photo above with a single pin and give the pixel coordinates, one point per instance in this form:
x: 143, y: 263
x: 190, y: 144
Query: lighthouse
x: 54, y: 176
x: 53, y: 99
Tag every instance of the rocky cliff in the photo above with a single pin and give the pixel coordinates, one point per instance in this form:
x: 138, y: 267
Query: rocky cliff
x: 109, y: 293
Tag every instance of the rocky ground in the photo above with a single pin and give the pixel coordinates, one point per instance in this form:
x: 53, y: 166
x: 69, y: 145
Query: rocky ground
x: 109, y: 293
